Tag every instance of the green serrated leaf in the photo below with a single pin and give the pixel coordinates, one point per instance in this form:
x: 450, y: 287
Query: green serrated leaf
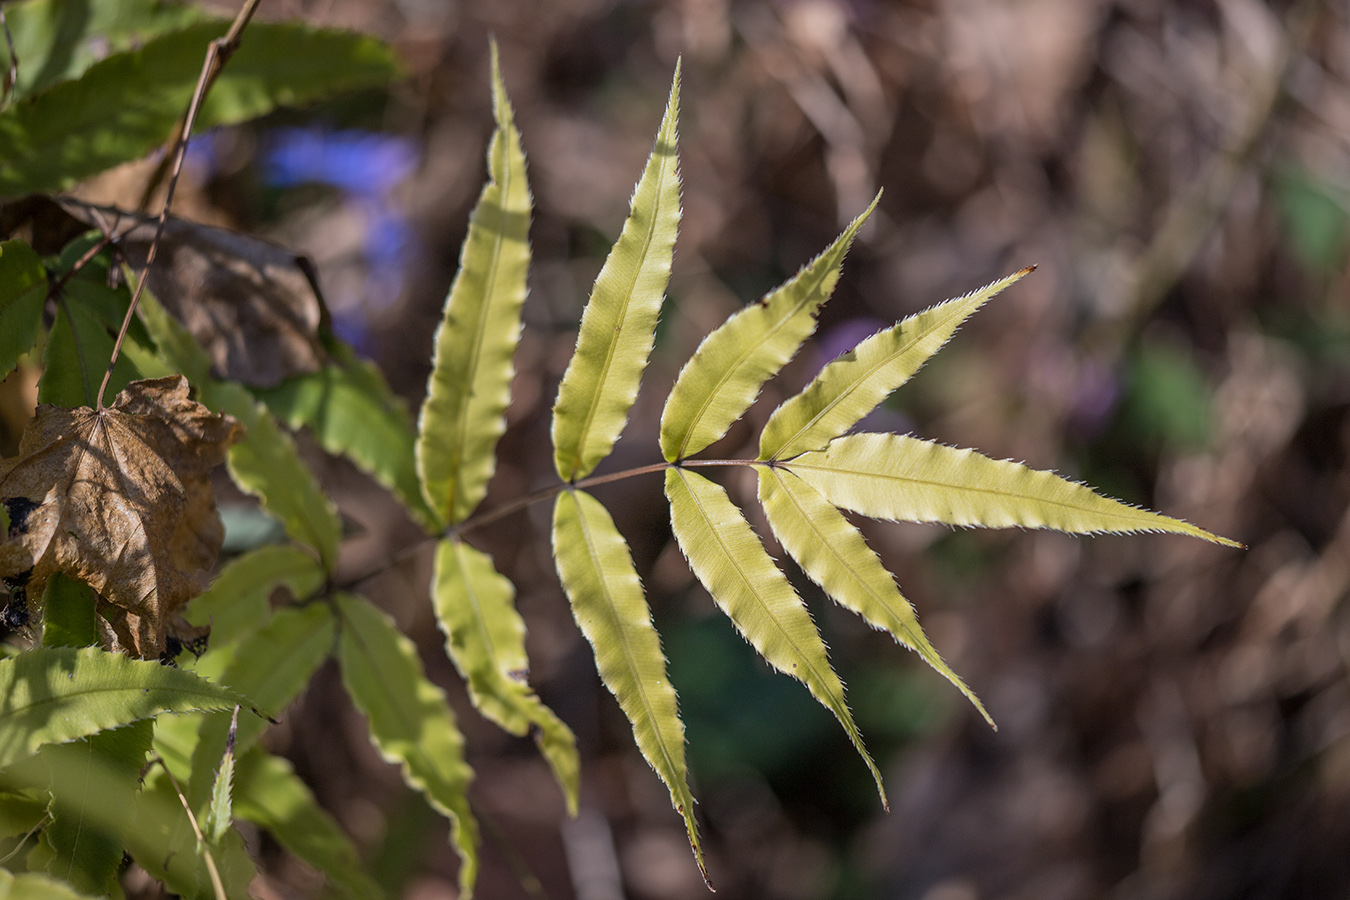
x: 23, y: 292
x: 854, y: 384
x: 80, y: 346
x: 890, y: 476
x: 237, y: 602
x: 177, y: 346
x: 220, y: 813
x: 725, y: 374
x: 83, y: 845
x: 269, y: 794
x: 485, y: 637
x: 59, y: 694
x: 353, y: 413
x: 32, y: 886
x: 56, y: 40
x: 618, y: 326
x: 832, y: 552
x: 265, y: 463
x: 64, y: 134
x: 732, y: 564
x: 597, y: 573
x: 271, y: 667
x: 470, y: 384
x: 411, y: 723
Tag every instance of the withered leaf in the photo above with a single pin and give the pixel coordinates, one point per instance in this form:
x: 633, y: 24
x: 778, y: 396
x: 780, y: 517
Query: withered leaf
x: 120, y: 499
x: 254, y: 305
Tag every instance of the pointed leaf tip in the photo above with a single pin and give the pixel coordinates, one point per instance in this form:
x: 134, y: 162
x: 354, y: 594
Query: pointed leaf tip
x: 726, y: 372
x: 618, y: 325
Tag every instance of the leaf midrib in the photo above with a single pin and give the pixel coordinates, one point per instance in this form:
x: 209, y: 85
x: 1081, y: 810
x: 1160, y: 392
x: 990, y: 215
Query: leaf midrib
x: 811, y: 292
x: 612, y: 347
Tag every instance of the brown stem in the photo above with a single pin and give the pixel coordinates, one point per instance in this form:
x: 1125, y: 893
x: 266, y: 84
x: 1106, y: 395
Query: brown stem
x: 217, y: 54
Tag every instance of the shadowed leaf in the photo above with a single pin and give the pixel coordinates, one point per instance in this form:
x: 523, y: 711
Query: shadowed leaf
x: 410, y: 722
x: 23, y: 291
x: 485, y: 637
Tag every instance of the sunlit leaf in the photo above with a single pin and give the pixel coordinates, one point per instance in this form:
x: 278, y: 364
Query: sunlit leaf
x: 59, y: 694
x: 732, y: 564
x: 270, y: 795
x: 618, y: 326
x: 851, y: 386
x: 66, y: 133
x: 833, y: 553
x: 485, y: 637
x: 890, y: 476
x: 597, y: 573
x: 470, y: 385
x: 410, y: 722
x: 23, y: 291
x: 724, y: 376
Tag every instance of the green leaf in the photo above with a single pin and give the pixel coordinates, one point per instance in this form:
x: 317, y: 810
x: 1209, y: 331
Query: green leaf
x: 618, y: 326
x: 411, y: 723
x: 890, y: 476
x: 237, y: 602
x: 32, y: 886
x: 485, y: 637
x: 269, y: 794
x: 23, y: 292
x: 271, y: 667
x: 69, y: 613
x: 265, y: 463
x: 175, y: 343
x: 832, y: 552
x: 79, y: 347
x: 123, y: 107
x: 724, y: 376
x: 82, y: 845
x: 470, y: 385
x: 59, y: 694
x: 854, y: 384
x: 220, y: 814
x: 56, y: 40
x: 353, y: 413
x: 597, y: 573
x: 164, y: 844
x: 732, y: 564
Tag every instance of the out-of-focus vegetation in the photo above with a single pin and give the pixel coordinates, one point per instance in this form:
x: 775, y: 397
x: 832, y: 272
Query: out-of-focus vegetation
x: 1174, y: 718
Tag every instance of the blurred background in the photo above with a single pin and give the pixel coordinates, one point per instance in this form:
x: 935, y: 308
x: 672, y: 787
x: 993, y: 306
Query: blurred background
x: 1174, y: 717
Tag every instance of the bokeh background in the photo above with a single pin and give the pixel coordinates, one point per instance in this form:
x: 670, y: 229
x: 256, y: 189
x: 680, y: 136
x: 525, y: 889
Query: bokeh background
x: 1174, y: 717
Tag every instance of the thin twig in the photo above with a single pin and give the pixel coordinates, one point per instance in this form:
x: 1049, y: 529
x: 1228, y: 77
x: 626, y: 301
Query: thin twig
x: 217, y: 885
x: 521, y: 503
x: 217, y: 54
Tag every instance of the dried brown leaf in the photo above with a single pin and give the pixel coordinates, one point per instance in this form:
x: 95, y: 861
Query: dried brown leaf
x: 254, y: 305
x: 121, y: 500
